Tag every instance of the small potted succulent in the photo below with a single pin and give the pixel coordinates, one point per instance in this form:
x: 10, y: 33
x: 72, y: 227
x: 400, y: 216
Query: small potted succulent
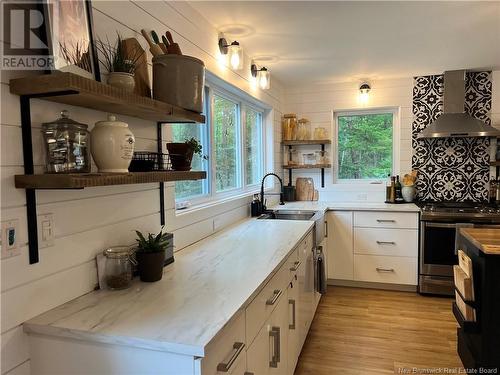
x: 119, y: 63
x: 181, y: 153
x: 150, y: 255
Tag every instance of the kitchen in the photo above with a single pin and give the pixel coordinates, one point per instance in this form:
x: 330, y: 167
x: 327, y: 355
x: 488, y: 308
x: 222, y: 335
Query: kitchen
x: 242, y: 294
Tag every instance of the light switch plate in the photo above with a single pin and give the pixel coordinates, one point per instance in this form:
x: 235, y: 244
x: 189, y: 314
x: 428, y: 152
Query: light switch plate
x: 46, y: 230
x: 10, y: 238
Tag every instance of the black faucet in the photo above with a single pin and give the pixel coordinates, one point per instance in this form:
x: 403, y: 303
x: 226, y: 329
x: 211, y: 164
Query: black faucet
x: 262, y: 201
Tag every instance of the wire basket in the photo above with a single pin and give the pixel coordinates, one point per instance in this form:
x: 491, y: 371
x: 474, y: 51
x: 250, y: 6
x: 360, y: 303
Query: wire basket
x: 146, y: 161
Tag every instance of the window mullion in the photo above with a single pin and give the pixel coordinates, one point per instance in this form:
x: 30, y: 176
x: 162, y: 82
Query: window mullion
x: 243, y: 152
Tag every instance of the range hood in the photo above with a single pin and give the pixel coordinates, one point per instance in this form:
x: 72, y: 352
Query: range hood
x: 454, y: 122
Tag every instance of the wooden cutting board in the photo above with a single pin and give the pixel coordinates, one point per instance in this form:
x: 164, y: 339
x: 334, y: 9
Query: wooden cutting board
x: 142, y: 83
x: 304, y: 189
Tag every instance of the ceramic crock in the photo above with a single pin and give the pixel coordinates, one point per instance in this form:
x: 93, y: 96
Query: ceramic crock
x: 409, y: 193
x: 112, y: 145
x: 122, y: 80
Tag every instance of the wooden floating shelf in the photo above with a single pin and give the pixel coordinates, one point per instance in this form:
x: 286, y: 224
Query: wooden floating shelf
x: 83, y: 180
x: 72, y: 89
x: 495, y: 163
x: 308, y: 142
x: 307, y: 166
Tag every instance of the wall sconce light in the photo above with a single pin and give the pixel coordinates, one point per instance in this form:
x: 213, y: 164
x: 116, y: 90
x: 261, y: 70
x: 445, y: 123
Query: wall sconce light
x: 263, y: 76
x: 234, y: 52
x: 364, y: 91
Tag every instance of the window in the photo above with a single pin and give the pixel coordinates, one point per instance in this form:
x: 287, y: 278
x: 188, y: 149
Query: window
x: 233, y: 139
x: 364, y: 145
x: 253, y: 146
x: 226, y: 129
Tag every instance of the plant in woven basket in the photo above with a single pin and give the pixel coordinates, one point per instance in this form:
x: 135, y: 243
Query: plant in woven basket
x: 150, y: 255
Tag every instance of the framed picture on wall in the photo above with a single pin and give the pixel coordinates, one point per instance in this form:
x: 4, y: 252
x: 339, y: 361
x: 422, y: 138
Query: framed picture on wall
x: 70, y: 38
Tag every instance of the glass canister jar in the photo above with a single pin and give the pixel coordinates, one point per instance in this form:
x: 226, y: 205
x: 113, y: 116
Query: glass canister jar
x: 289, y: 126
x: 67, y: 145
x: 118, y: 269
x: 320, y: 133
x: 303, y: 130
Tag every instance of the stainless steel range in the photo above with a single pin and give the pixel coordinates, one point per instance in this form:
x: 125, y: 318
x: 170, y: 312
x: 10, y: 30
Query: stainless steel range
x: 439, y: 224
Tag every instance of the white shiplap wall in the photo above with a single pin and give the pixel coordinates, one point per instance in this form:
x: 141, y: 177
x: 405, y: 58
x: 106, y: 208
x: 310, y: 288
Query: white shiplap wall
x: 89, y: 220
x: 318, y: 102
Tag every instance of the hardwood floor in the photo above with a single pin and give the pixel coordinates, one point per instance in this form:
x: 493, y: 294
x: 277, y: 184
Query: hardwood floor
x: 367, y: 331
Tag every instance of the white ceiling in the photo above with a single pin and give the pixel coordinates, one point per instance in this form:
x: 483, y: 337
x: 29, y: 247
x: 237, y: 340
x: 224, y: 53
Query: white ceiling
x: 346, y: 41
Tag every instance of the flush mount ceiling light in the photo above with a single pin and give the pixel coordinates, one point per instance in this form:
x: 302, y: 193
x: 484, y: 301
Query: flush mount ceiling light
x: 364, y: 91
x: 234, y: 52
x: 262, y: 75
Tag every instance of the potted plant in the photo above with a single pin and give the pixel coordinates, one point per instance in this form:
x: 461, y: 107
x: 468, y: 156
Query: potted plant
x: 119, y: 64
x: 150, y: 255
x: 181, y: 153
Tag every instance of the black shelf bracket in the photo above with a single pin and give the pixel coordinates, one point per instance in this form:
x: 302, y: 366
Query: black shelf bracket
x: 159, y: 139
x: 29, y: 168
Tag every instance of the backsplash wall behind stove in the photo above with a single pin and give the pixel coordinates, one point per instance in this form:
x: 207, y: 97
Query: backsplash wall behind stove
x: 451, y: 169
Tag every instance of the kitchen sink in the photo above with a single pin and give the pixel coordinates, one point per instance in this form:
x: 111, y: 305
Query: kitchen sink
x: 316, y: 216
x: 288, y: 215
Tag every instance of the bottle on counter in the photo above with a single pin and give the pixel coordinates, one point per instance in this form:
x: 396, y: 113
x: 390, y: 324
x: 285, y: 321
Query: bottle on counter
x: 392, y: 195
x: 492, y: 197
x: 398, y: 190
x: 497, y: 194
x: 388, y: 189
x: 256, y: 206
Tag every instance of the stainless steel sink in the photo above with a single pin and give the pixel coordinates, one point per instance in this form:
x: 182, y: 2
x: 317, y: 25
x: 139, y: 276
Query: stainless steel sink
x: 316, y: 216
x: 288, y: 215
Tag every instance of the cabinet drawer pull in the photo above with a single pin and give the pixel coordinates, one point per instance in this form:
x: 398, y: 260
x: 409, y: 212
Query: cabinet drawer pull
x: 385, y: 221
x: 294, y: 315
x: 276, y: 294
x: 274, y: 334
x: 225, y: 367
x: 386, y: 242
x: 384, y: 269
x: 296, y: 266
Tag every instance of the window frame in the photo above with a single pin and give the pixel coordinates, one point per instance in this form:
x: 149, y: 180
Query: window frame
x: 395, y: 142
x: 243, y: 101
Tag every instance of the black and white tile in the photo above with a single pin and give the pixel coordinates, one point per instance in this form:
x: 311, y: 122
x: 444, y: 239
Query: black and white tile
x: 451, y: 169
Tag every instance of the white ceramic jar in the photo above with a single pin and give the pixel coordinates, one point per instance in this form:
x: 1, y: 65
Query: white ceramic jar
x: 112, y: 145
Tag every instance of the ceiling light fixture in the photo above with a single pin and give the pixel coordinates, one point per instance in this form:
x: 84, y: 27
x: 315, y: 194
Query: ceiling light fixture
x: 234, y: 52
x: 263, y: 76
x: 364, y: 92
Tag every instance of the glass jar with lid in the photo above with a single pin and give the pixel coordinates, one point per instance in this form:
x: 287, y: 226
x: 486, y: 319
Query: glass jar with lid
x: 118, y: 269
x: 67, y: 145
x: 303, y: 130
x: 289, y: 126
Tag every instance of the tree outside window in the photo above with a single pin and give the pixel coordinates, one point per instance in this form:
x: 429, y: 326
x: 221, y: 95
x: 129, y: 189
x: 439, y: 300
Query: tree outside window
x: 365, y: 145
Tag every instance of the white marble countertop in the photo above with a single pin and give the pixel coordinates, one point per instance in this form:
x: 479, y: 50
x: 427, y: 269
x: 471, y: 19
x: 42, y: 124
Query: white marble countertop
x: 208, y: 283
x: 350, y: 206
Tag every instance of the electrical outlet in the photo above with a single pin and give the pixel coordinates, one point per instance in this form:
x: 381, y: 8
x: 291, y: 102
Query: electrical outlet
x: 46, y: 230
x: 10, y: 232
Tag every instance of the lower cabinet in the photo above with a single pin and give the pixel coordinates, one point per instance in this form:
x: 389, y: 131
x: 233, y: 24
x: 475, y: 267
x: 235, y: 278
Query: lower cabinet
x: 374, y: 247
x: 268, y: 354
x: 340, y: 241
x: 294, y: 342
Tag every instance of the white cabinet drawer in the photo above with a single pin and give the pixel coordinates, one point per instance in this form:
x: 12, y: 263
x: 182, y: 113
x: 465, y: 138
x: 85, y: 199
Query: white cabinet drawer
x: 227, y: 349
x: 305, y: 246
x: 383, y: 241
x: 385, y: 269
x: 407, y: 220
x: 259, y: 310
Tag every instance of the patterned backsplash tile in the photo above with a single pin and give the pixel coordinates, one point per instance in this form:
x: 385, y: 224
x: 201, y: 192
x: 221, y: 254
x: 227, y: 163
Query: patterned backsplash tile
x: 451, y: 169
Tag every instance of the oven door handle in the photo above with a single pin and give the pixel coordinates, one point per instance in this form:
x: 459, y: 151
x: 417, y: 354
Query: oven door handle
x: 440, y: 225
